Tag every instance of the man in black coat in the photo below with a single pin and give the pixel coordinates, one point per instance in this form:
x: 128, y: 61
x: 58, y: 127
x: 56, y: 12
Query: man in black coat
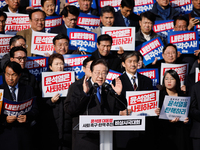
x: 125, y: 16
x: 14, y: 7
x: 69, y: 15
x: 85, y: 7
x: 104, y: 43
x: 83, y: 101
x: 15, y: 130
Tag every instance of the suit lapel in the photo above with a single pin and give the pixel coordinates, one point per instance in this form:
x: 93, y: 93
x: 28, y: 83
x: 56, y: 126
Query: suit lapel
x: 140, y: 82
x: 21, y: 92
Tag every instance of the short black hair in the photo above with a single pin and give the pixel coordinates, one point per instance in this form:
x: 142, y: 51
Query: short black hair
x: 107, y: 9
x: 149, y: 15
x: 169, y: 44
x: 127, y: 55
x: 16, y: 67
x: 53, y: 56
x: 128, y: 3
x: 14, y: 39
x: 104, y: 37
x: 3, y: 14
x: 99, y: 61
x: 43, y: 1
x: 60, y: 36
x: 15, y: 49
x: 70, y: 9
x: 91, y: 58
x: 181, y: 18
x: 36, y: 10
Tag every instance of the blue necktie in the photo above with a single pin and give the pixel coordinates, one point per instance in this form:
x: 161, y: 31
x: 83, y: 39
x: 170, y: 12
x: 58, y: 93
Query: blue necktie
x: 126, y: 21
x: 13, y: 93
x: 98, y: 94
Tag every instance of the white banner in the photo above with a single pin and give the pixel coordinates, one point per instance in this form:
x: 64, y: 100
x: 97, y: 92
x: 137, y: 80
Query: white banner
x: 197, y: 75
x: 42, y: 43
x: 122, y: 36
x: 56, y: 82
x: 4, y: 44
x: 111, y: 123
x: 174, y: 106
x: 1, y: 99
x: 143, y: 103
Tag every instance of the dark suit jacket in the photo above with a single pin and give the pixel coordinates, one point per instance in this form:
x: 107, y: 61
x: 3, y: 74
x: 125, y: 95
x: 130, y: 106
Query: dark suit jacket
x: 17, y: 135
x: 78, y: 103
x: 113, y: 60
x: 134, y: 20
x: 93, y: 12
x: 62, y: 29
x: 20, y: 9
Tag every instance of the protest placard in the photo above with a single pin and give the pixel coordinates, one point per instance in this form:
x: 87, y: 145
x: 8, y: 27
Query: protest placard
x: 114, y: 3
x: 121, y: 36
x: 75, y: 3
x: 182, y: 6
x: 152, y: 73
x: 150, y: 50
x: 51, y: 22
x: 16, y: 22
x: 4, y: 44
x: 2, y: 3
x: 197, y: 75
x: 143, y: 5
x: 88, y: 22
x: 42, y: 43
x: 163, y: 27
x: 175, y: 106
x: 37, y: 65
x: 181, y: 69
x: 12, y: 108
x: 186, y: 41
x: 74, y: 63
x: 143, y: 103
x: 56, y: 82
x: 1, y: 99
x: 112, y: 75
x: 82, y: 39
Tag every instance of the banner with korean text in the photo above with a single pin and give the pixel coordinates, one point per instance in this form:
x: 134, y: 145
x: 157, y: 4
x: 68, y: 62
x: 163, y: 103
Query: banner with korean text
x: 42, y: 43
x: 56, y: 82
x: 51, y: 22
x: 112, y: 75
x: 143, y: 103
x: 111, y: 123
x: 143, y: 5
x: 1, y: 99
x: 181, y: 69
x: 37, y: 4
x: 150, y: 50
x: 2, y: 3
x: 163, y: 27
x: 16, y: 22
x: 88, y: 22
x: 74, y: 63
x: 197, y: 27
x: 175, y: 106
x: 182, y: 6
x: 122, y: 36
x: 37, y: 65
x: 186, y: 41
x: 75, y: 3
x: 4, y: 44
x: 113, y: 3
x: 197, y: 75
x: 12, y: 108
x: 152, y: 73
x: 82, y: 39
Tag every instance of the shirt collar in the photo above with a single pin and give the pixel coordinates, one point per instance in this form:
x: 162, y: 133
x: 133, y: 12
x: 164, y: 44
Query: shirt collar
x: 11, y: 11
x: 16, y: 86
x: 130, y: 76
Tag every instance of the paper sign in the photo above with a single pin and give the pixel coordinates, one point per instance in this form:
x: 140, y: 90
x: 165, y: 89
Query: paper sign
x: 51, y: 22
x: 143, y: 5
x: 122, y: 36
x: 56, y: 82
x: 42, y: 43
x: 174, y: 106
x: 75, y: 3
x: 197, y: 75
x: 2, y: 3
x: 114, y: 3
x: 1, y: 99
x: 112, y: 75
x: 4, y: 44
x: 181, y: 69
x: 143, y: 103
x: 182, y: 6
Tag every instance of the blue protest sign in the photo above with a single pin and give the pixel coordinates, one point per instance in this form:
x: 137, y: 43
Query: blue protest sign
x: 75, y: 3
x: 113, y: 3
x: 74, y: 63
x: 163, y: 27
x: 182, y: 6
x: 143, y: 5
x: 88, y: 22
x: 37, y: 65
x: 150, y: 50
x: 51, y: 22
x: 112, y: 75
x: 12, y: 108
x: 2, y: 3
x: 186, y: 41
x: 197, y: 27
x: 82, y: 39
x: 152, y: 73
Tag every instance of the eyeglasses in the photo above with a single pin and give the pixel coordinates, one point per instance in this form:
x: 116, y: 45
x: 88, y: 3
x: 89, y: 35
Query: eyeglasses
x: 21, y: 58
x: 103, y: 74
x: 37, y: 20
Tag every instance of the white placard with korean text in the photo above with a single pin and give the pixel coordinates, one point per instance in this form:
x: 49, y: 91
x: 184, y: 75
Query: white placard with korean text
x: 4, y: 44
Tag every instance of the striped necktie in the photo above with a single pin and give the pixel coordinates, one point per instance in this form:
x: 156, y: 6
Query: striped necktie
x: 13, y: 93
x: 134, y: 83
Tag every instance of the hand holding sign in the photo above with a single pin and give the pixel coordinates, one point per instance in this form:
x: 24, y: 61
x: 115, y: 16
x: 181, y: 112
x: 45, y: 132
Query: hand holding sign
x: 21, y: 119
x: 55, y: 98
x: 11, y: 119
x: 192, y: 23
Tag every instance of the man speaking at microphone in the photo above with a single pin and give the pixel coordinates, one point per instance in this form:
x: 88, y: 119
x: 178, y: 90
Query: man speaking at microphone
x: 94, y: 98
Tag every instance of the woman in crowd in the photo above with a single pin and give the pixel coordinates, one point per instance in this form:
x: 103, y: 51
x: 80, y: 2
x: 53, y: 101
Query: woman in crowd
x: 49, y: 6
x: 55, y: 125
x: 172, y: 134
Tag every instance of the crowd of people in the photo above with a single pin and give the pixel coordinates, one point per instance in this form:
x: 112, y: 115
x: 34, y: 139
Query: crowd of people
x: 52, y: 123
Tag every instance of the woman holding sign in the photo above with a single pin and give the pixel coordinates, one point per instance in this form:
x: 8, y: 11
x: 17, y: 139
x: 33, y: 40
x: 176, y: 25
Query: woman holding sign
x: 172, y: 134
x: 55, y: 125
